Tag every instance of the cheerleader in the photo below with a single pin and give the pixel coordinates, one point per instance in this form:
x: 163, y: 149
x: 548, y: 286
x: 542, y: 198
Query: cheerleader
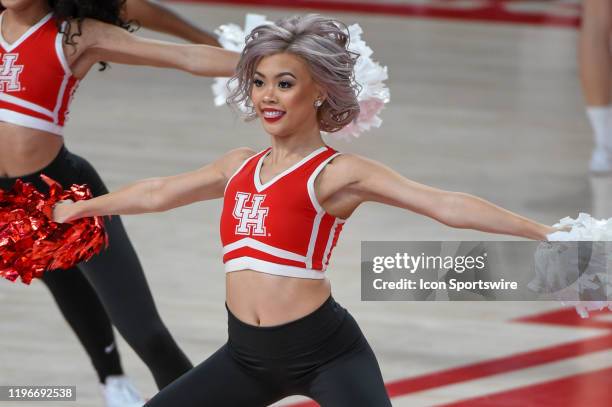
x: 283, y: 211
x: 595, y: 73
x: 46, y: 48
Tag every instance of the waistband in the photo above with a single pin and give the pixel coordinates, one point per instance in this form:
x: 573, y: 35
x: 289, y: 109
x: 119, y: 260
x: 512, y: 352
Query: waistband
x: 56, y: 165
x: 289, y: 338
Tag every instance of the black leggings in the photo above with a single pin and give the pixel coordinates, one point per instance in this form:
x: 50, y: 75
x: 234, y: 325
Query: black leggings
x: 113, y: 284
x: 323, y: 356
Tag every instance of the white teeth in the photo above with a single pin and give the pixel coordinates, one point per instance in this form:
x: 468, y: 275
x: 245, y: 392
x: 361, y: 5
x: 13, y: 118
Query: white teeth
x: 272, y: 114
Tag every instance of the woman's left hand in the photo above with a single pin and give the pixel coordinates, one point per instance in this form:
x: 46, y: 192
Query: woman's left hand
x: 551, y: 229
x: 63, y: 211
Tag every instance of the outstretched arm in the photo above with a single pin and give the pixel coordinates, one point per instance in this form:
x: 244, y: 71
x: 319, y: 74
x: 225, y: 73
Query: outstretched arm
x: 372, y: 181
x: 155, y: 16
x: 159, y: 194
x: 106, y: 42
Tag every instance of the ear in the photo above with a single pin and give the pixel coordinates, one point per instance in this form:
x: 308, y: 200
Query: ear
x: 321, y: 93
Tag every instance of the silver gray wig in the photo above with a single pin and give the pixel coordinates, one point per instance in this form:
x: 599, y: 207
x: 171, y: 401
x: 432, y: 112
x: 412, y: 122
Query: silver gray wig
x: 322, y: 43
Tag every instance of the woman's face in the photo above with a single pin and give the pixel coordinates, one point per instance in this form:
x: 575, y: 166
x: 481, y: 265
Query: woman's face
x: 283, y: 94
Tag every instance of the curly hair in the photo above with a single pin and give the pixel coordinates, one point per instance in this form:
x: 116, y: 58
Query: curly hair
x: 75, y: 11
x: 323, y: 44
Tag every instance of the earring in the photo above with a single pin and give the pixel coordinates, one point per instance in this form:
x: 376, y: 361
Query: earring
x: 318, y: 103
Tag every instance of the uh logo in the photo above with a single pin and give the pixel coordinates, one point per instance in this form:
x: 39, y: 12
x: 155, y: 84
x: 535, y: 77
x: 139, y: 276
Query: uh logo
x: 9, y: 73
x: 250, y: 214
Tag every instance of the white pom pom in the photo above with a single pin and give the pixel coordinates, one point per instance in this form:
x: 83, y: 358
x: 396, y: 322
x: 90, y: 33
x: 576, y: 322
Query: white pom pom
x: 587, y: 228
x: 221, y: 90
x: 232, y: 37
x: 583, y: 228
x: 370, y: 75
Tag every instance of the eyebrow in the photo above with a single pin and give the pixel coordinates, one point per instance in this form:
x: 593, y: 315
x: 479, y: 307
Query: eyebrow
x: 277, y: 76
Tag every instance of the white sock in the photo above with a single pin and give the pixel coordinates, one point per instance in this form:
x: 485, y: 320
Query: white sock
x: 601, y: 122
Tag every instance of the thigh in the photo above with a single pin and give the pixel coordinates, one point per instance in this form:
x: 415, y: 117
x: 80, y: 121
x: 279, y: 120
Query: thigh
x: 218, y: 381
x: 79, y: 302
x: 353, y: 381
x: 82, y: 309
x: 118, y: 278
x: 116, y: 273
x: 68, y: 285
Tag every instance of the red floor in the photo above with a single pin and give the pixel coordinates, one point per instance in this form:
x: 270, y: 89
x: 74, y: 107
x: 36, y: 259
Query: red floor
x: 588, y: 389
x: 583, y: 390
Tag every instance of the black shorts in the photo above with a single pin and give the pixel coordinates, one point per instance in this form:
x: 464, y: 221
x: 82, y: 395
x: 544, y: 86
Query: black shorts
x: 322, y: 355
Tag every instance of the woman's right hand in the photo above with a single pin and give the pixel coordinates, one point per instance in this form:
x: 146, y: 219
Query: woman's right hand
x: 63, y: 211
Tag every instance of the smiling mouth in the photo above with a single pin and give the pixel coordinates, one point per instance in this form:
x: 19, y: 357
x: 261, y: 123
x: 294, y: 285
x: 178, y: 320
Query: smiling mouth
x: 271, y: 115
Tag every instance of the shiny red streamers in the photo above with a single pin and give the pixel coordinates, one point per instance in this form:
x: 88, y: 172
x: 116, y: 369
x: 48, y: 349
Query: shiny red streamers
x: 31, y: 243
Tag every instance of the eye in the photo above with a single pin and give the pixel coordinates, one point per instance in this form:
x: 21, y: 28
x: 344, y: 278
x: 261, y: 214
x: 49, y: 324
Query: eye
x: 258, y: 83
x: 285, y: 84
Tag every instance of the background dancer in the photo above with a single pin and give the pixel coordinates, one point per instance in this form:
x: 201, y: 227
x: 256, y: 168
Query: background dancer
x: 46, y: 48
x: 595, y: 74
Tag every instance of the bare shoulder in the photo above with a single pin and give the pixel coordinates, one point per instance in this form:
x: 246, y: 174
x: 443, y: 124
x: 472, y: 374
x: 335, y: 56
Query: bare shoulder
x: 346, y: 168
x: 229, y: 162
x: 96, y: 27
x: 82, y: 35
x: 77, y: 41
x: 349, y: 160
x: 240, y: 154
x: 97, y: 33
x: 86, y: 29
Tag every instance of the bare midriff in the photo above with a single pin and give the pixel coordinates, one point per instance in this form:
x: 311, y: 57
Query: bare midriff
x: 25, y: 151
x: 263, y: 299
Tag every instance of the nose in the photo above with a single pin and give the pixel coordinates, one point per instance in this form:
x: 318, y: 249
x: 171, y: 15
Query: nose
x: 269, y: 95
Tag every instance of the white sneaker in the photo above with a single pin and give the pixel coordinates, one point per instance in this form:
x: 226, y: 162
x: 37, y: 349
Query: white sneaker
x: 601, y: 161
x: 120, y: 392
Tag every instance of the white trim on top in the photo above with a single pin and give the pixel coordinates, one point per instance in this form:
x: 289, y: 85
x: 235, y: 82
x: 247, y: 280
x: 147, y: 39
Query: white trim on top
x: 318, y: 208
x: 9, y: 47
x: 314, y: 234
x: 60, y: 97
x: 5, y: 97
x: 59, y: 50
x: 240, y: 169
x: 330, y: 240
x: 263, y: 247
x: 250, y: 263
x: 20, y: 119
x: 311, y: 180
x: 257, y: 180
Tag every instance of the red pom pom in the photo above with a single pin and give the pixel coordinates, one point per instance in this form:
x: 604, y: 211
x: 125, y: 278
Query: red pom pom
x: 31, y: 243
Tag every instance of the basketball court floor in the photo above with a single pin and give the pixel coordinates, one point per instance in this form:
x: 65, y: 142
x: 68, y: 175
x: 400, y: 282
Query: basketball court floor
x: 489, y: 107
